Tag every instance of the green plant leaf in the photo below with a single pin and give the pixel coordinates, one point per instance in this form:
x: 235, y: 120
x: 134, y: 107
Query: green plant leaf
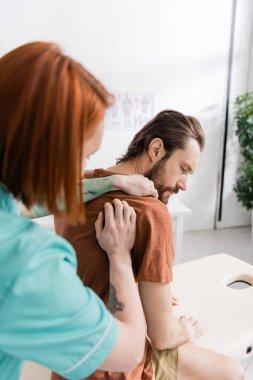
x: 244, y: 184
x: 244, y: 130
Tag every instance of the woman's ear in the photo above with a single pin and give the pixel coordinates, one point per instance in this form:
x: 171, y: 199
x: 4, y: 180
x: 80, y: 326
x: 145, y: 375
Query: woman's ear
x: 156, y: 150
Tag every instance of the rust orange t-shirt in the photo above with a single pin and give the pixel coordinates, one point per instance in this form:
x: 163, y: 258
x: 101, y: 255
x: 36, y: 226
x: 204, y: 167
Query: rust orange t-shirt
x: 152, y: 255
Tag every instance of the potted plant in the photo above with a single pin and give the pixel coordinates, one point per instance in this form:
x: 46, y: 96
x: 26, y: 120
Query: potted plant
x: 244, y: 130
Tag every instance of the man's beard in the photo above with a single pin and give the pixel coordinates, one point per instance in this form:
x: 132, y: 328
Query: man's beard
x: 156, y: 174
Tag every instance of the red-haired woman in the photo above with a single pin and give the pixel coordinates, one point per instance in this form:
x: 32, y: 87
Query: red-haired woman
x: 51, y: 112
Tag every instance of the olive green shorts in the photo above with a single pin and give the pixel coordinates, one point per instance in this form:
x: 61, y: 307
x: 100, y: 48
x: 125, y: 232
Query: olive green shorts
x: 165, y: 364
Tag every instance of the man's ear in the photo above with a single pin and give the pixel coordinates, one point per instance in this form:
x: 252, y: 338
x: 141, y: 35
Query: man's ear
x: 156, y: 150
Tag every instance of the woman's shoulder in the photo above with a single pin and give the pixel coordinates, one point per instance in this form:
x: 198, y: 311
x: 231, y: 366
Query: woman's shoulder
x: 24, y: 243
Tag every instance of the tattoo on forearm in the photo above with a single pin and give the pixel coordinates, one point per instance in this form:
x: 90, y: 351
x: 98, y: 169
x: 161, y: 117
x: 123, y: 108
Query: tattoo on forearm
x: 91, y: 192
x: 113, y: 304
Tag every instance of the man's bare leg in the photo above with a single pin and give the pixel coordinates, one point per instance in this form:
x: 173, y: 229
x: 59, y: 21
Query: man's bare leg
x: 197, y: 363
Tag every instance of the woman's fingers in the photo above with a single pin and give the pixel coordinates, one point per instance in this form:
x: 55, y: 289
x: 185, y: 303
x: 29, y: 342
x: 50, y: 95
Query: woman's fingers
x: 116, y: 230
x: 136, y: 184
x: 126, y: 212
x: 123, y: 212
x: 99, y: 224
x: 133, y: 216
x: 118, y: 211
x: 152, y: 189
x: 109, y: 215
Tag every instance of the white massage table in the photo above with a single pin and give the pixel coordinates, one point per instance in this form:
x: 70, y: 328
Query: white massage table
x: 225, y: 313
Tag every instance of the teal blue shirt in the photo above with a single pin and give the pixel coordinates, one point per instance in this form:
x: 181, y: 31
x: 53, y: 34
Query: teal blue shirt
x: 46, y: 314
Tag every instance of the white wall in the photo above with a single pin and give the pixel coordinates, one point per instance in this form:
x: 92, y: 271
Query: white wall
x: 233, y: 213
x: 176, y: 49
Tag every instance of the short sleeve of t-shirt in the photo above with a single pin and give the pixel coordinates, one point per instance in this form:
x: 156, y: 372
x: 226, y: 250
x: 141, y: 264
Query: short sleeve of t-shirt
x: 153, y: 249
x: 49, y: 317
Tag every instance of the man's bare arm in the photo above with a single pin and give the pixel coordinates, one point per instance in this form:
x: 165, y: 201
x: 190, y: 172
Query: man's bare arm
x: 164, y: 330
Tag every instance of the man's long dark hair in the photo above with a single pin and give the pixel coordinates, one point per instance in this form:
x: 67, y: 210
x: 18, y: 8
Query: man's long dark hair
x: 172, y: 127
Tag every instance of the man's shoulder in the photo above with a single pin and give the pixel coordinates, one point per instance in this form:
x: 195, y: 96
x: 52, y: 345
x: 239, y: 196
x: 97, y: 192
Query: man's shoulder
x: 88, y: 174
x: 149, y: 207
x: 96, y: 173
x: 149, y: 201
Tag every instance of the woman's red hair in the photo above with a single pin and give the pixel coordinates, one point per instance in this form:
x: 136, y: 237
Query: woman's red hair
x: 49, y: 104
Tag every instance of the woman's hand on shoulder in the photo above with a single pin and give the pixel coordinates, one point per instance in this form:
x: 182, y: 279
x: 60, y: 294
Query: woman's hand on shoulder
x: 115, y: 229
x: 135, y: 184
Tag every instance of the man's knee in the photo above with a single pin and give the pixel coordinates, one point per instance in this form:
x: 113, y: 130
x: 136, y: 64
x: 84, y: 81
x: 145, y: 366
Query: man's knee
x: 235, y: 370
x: 199, y: 363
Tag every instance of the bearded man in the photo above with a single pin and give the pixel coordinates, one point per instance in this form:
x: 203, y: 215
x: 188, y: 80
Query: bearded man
x: 166, y: 150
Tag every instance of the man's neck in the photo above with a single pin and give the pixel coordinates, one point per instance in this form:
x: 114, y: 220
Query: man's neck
x: 128, y: 168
